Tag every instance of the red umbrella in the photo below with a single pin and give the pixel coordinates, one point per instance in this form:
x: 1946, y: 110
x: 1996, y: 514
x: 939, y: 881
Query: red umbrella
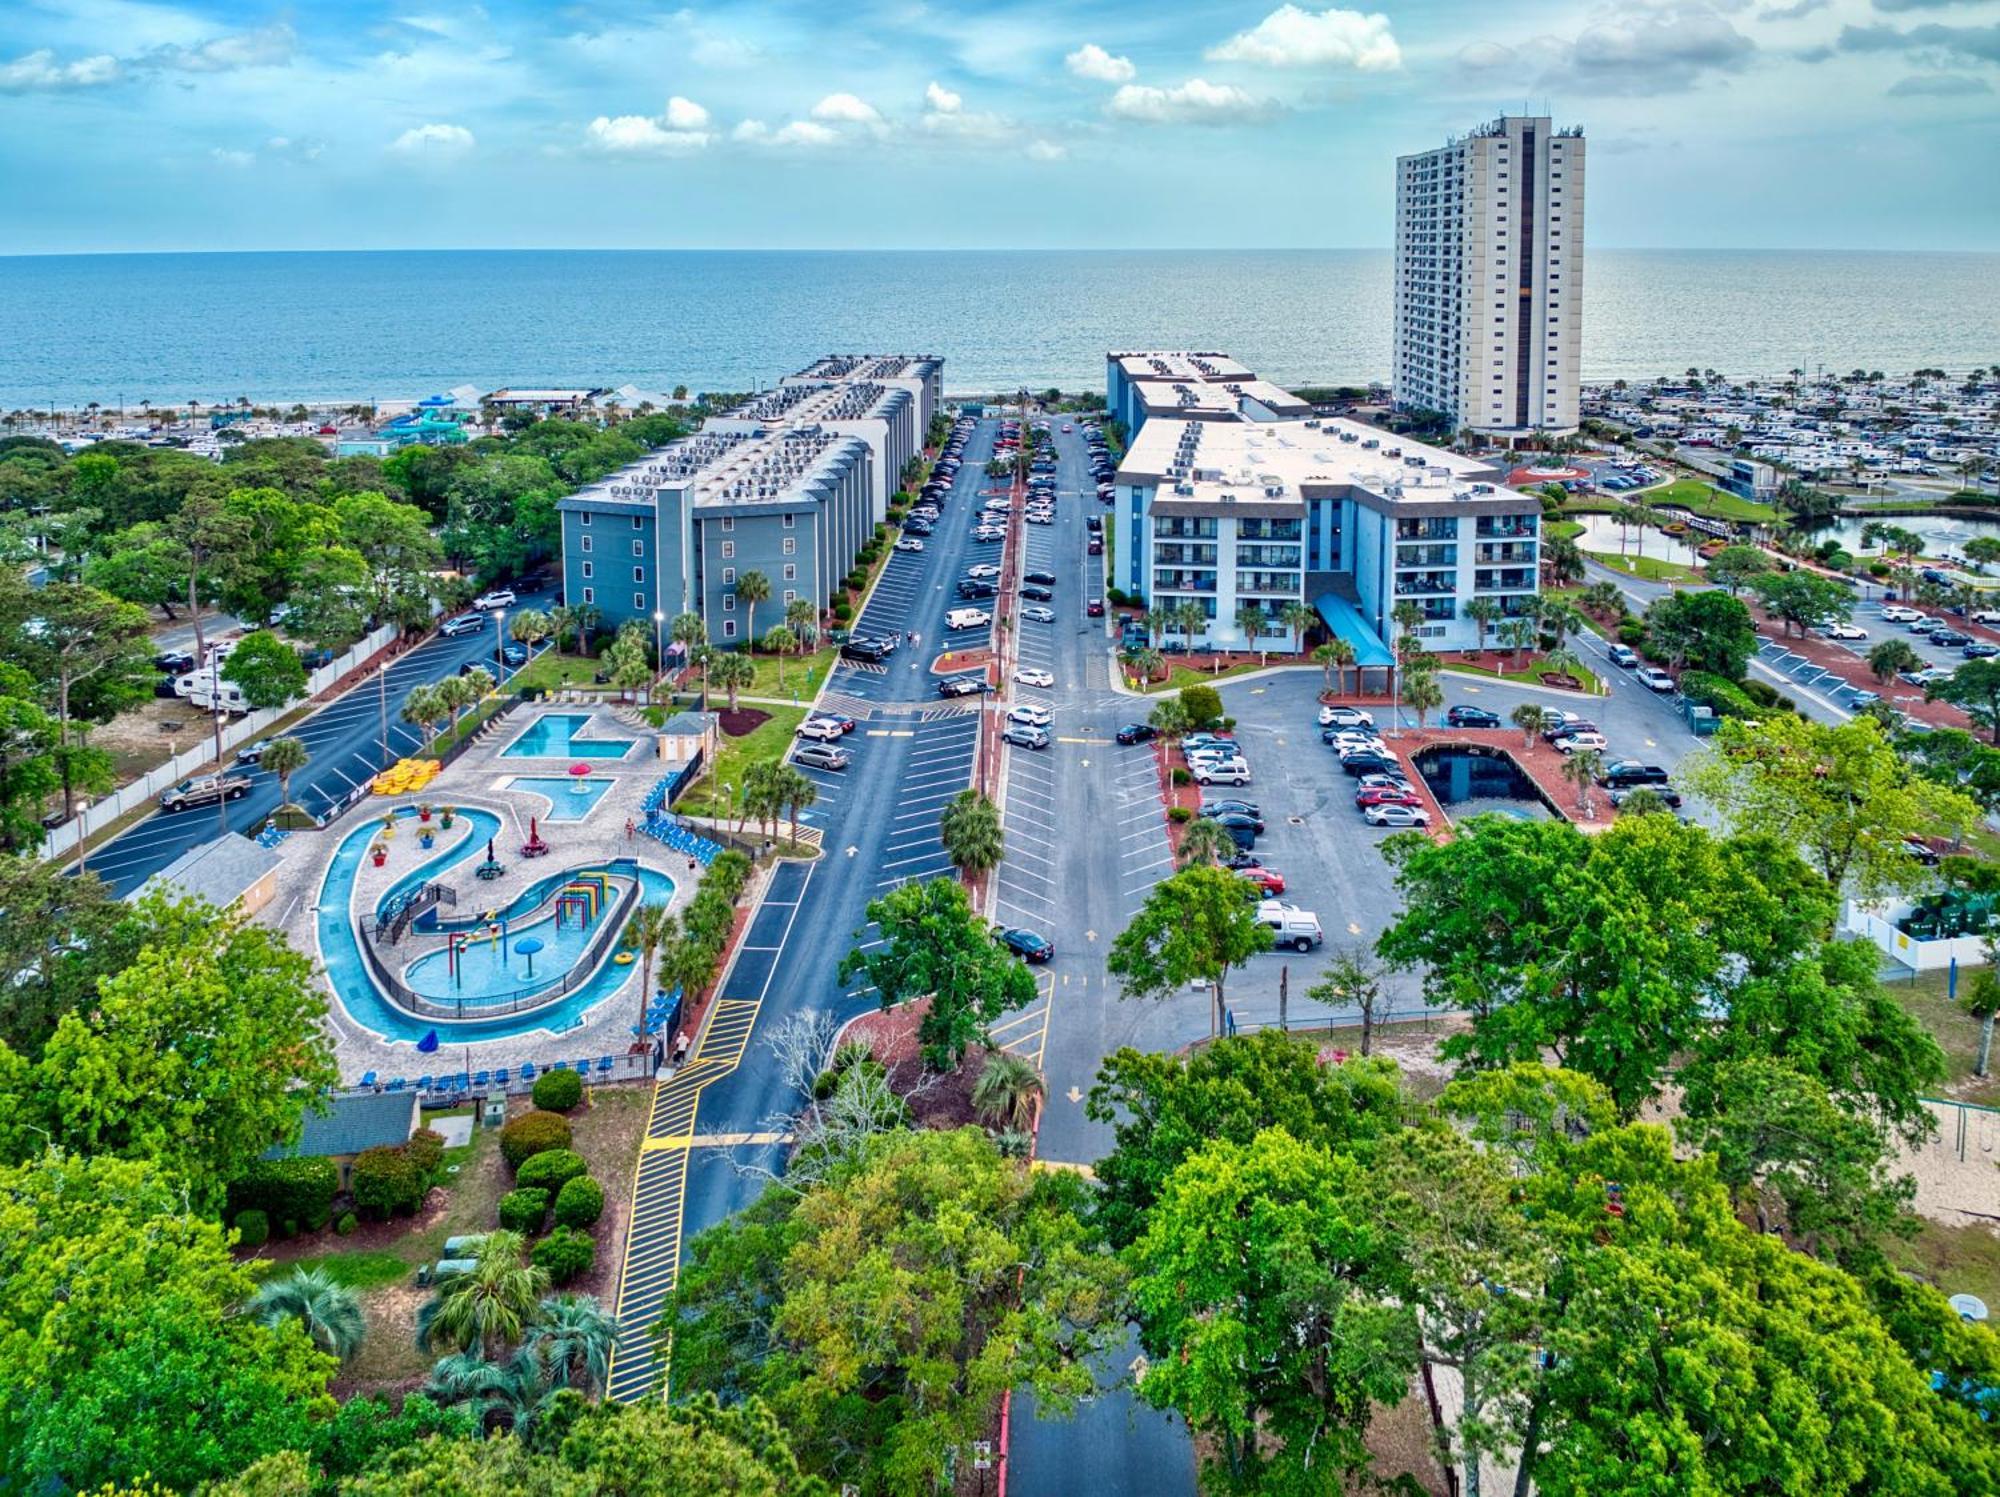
x: 579, y: 770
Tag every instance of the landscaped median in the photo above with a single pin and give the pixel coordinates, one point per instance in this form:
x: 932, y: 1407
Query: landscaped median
x: 766, y: 734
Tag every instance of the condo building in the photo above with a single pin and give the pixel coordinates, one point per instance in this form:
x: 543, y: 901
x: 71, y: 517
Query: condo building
x: 1191, y: 387
x: 791, y: 485
x: 1489, y: 278
x: 1246, y: 515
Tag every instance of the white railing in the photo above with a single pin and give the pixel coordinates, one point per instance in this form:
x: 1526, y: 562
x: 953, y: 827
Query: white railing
x: 147, y: 787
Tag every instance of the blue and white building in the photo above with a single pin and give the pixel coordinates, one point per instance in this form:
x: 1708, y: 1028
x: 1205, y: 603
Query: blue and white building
x: 1191, y: 387
x: 1245, y: 514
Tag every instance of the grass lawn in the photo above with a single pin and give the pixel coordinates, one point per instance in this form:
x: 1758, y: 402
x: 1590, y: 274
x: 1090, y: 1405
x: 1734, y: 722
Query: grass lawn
x: 1563, y: 530
x: 1649, y: 568
x: 1181, y: 676
x: 1532, y: 677
x: 468, y: 724
x: 766, y: 741
x: 1957, y: 1033
x: 802, y: 674
x: 360, y: 1270
x: 1958, y: 1260
x: 1706, y: 499
x: 552, y: 672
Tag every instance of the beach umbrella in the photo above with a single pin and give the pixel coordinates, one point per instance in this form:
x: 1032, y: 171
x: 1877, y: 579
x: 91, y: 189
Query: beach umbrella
x: 528, y: 946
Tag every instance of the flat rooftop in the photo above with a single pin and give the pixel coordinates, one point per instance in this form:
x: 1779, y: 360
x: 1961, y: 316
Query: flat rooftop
x: 1274, y: 466
x: 807, y: 403
x: 869, y: 366
x: 1181, y: 364
x: 770, y: 466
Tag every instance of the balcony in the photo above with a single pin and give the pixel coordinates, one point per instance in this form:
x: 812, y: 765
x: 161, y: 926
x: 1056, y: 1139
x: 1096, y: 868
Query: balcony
x: 1183, y: 582
x: 1426, y: 556
x: 1179, y: 556
x: 1183, y: 528
x: 1282, y: 584
x: 1418, y: 584
x: 1513, y: 527
x: 1506, y: 554
x: 1267, y: 556
x: 1509, y: 580
x: 1269, y: 530
x: 1427, y: 530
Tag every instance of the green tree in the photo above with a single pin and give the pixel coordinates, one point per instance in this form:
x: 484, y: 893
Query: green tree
x: 1008, y: 1091
x: 969, y: 827
x: 899, y: 1297
x: 1708, y: 630
x: 572, y: 1338
x: 932, y: 944
x: 1531, y: 718
x: 1352, y: 981
x: 530, y: 626
x: 802, y: 618
x: 1891, y: 657
x: 1484, y: 613
x: 331, y: 598
x: 425, y: 707
x: 796, y: 790
x: 1193, y: 926
x: 1264, y: 1286
x: 1334, y: 655
x: 1735, y: 567
x: 30, y: 761
x: 752, y: 587
x: 285, y: 757
x: 397, y: 550
x: 326, y: 1310
x: 1205, y: 842
x: 487, y: 1308
x: 1839, y: 792
x: 1973, y: 688
x: 779, y: 640
x: 267, y: 669
x: 1203, y: 706
x: 141, y: 565
x: 1802, y: 599
x: 652, y: 927
x: 1582, y: 768
x: 732, y: 672
x: 1422, y: 694
x: 120, y: 1350
x: 1162, y: 1107
x: 89, y: 650
x: 205, y: 1050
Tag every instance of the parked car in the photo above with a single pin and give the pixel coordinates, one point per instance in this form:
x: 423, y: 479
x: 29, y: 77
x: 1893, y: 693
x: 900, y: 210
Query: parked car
x: 823, y: 729
x: 984, y: 569
x: 1386, y: 795
x: 1262, y: 881
x: 1222, y: 771
x: 909, y: 543
x: 1900, y: 613
x: 1624, y: 657
x: 1026, y: 944
x: 174, y: 662
x: 1654, y: 679
x: 961, y: 686
x: 1396, y: 815
x: 1037, y: 593
x: 1235, y: 818
x: 204, y: 790
x: 1035, y: 613
x: 1950, y: 638
x: 1619, y: 794
x: 820, y: 756
x: 1094, y: 608
x: 1137, y: 733
x: 1031, y: 714
x: 1344, y: 717
x: 1843, y: 630
x: 514, y: 653
x: 465, y: 623
x: 252, y: 753
x: 500, y: 597
x: 1980, y: 650
x: 1025, y: 736
x: 1575, y: 743
x: 1290, y: 925
x: 1044, y: 577
x: 1229, y: 803
x: 839, y: 720
x: 1370, y: 763
x: 1029, y: 675
x: 1632, y: 772
x: 1472, y: 717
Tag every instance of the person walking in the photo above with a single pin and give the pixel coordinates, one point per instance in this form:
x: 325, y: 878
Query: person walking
x: 629, y: 829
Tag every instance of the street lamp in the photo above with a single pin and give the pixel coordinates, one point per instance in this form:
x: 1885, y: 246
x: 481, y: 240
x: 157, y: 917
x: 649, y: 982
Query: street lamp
x: 499, y: 643
x: 659, y: 645
x: 382, y: 701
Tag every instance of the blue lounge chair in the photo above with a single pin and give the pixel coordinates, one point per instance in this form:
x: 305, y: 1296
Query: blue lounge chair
x: 561, y: 1065
x: 398, y: 1084
x: 459, y: 1082
x: 528, y: 1070
x: 501, y: 1076
x: 424, y: 1083
x: 604, y: 1064
x: 368, y: 1079
x: 484, y: 1078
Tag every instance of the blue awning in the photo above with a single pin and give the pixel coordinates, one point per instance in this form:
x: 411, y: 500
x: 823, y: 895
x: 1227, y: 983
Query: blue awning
x: 1345, y: 620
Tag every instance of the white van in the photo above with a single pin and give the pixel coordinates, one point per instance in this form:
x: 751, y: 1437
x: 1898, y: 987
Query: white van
x: 967, y: 618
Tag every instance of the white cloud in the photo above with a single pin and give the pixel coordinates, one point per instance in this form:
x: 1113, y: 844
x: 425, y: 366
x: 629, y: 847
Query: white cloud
x: 845, y: 109
x: 1638, y: 51
x: 269, y: 46
x: 942, y: 99
x: 40, y: 70
x: 750, y: 132
x: 968, y: 126
x: 804, y: 133
x: 1195, y: 102
x: 685, y: 114
x: 1046, y: 150
x: 1093, y: 62
x: 1293, y: 38
x: 434, y: 140
x: 638, y: 134
x: 236, y: 160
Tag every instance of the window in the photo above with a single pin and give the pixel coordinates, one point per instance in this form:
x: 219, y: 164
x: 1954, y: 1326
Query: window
x: 790, y: 597
x: 590, y: 595
x: 728, y: 550
x: 586, y: 545
x: 728, y: 576
x: 791, y: 571
x: 791, y: 545
x: 638, y: 522
x: 729, y: 602
x: 638, y: 548
x: 729, y: 522
x: 638, y: 574
x: 639, y: 602
x: 729, y: 628
x: 586, y: 569
x: 788, y: 521
x: 584, y: 518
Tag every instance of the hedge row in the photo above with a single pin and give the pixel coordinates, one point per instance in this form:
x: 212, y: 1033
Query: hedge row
x: 392, y: 1180
x: 295, y: 1191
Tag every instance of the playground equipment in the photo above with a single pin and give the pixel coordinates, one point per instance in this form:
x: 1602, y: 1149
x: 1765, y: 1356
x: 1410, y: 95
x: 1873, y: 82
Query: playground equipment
x: 493, y: 933
x: 581, y: 900
x: 406, y: 775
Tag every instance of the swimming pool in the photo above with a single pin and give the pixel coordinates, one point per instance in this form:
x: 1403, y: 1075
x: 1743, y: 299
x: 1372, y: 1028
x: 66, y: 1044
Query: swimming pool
x: 554, y: 736
x: 347, y: 969
x: 569, y: 799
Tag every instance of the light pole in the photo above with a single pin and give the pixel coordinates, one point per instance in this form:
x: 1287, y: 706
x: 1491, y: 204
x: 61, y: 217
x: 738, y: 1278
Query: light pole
x: 382, y: 702
x: 659, y: 644
x: 499, y: 642
x: 221, y: 801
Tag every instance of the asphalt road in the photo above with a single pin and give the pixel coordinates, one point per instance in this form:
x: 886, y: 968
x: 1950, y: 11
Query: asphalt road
x: 345, y: 740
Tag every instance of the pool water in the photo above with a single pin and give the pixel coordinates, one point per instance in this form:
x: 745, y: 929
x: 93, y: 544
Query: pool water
x: 488, y: 967
x: 346, y: 970
x: 554, y: 735
x: 569, y: 798
x: 1469, y: 783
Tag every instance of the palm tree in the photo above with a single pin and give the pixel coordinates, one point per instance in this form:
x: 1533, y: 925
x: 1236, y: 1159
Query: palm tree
x: 651, y: 927
x: 572, y: 1338
x: 802, y: 618
x: 797, y: 792
x: 284, y: 757
x: 779, y: 639
x: 1531, y: 718
x: 531, y: 626
x: 691, y: 634
x: 752, y: 587
x: 325, y: 1310
x: 731, y: 671
x: 1892, y: 657
x: 1251, y: 621
x: 1335, y: 655
x: 761, y: 793
x: 425, y: 707
x: 1562, y: 662
x: 1205, y: 842
x: 1299, y: 617
x: 1147, y: 663
x: 1581, y: 769
x: 1168, y: 718
x: 1008, y: 1091
x: 564, y: 619
x: 487, y: 1307
x: 969, y: 827
x: 1189, y: 616
x: 495, y: 1389
x: 1484, y: 613
x: 1421, y: 692
x: 1561, y: 620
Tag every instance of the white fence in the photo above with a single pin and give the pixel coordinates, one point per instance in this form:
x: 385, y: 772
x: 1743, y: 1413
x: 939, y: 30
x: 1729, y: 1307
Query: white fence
x: 147, y: 788
x: 1878, y: 923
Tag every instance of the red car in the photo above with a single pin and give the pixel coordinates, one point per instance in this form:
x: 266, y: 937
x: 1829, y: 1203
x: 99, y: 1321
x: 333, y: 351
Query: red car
x: 1095, y: 608
x: 1386, y: 796
x: 1264, y: 878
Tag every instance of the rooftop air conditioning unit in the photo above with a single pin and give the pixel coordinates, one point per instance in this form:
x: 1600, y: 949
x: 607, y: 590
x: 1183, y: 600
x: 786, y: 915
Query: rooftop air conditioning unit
x: 1370, y: 445
x: 1274, y: 491
x: 1185, y: 490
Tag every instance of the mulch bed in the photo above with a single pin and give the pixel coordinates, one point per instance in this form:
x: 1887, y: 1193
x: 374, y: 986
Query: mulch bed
x: 743, y: 721
x: 935, y: 1101
x: 1853, y: 669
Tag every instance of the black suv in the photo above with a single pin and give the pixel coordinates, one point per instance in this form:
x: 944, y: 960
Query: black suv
x: 1472, y: 717
x: 867, y: 649
x: 976, y: 587
x: 1048, y: 578
x: 1137, y: 733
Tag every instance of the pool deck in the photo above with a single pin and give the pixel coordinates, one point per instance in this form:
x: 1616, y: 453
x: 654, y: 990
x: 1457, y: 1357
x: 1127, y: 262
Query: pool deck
x: 479, y: 778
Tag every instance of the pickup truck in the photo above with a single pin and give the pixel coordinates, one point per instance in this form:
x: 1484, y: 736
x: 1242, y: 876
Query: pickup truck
x: 204, y: 790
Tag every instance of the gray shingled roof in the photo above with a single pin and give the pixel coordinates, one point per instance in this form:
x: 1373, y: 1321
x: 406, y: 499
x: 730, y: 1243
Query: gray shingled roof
x: 358, y: 1120
x: 219, y: 871
x: 688, y: 724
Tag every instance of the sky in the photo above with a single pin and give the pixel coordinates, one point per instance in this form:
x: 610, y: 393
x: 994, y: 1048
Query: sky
x: 893, y: 124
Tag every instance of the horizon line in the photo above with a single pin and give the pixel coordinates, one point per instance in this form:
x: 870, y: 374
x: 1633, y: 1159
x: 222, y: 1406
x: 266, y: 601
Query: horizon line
x: 1719, y: 249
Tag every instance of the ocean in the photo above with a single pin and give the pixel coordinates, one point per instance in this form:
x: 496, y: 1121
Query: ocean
x: 117, y: 329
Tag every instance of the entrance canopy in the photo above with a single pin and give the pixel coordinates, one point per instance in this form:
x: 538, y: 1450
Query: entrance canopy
x: 1345, y: 620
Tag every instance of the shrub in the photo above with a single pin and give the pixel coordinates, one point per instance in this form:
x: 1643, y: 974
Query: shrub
x: 843, y: 610
x: 558, y: 1091
x: 524, y: 1210
x: 579, y: 1203
x: 550, y: 1169
x: 533, y: 1133
x: 426, y: 1152
x: 1725, y: 696
x: 346, y: 1225
x: 1180, y: 814
x: 1758, y: 692
x: 1633, y: 634
x: 287, y: 1189
x: 1203, y: 705
x: 386, y: 1183
x: 253, y: 1229
x: 565, y: 1254
x: 1181, y: 776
